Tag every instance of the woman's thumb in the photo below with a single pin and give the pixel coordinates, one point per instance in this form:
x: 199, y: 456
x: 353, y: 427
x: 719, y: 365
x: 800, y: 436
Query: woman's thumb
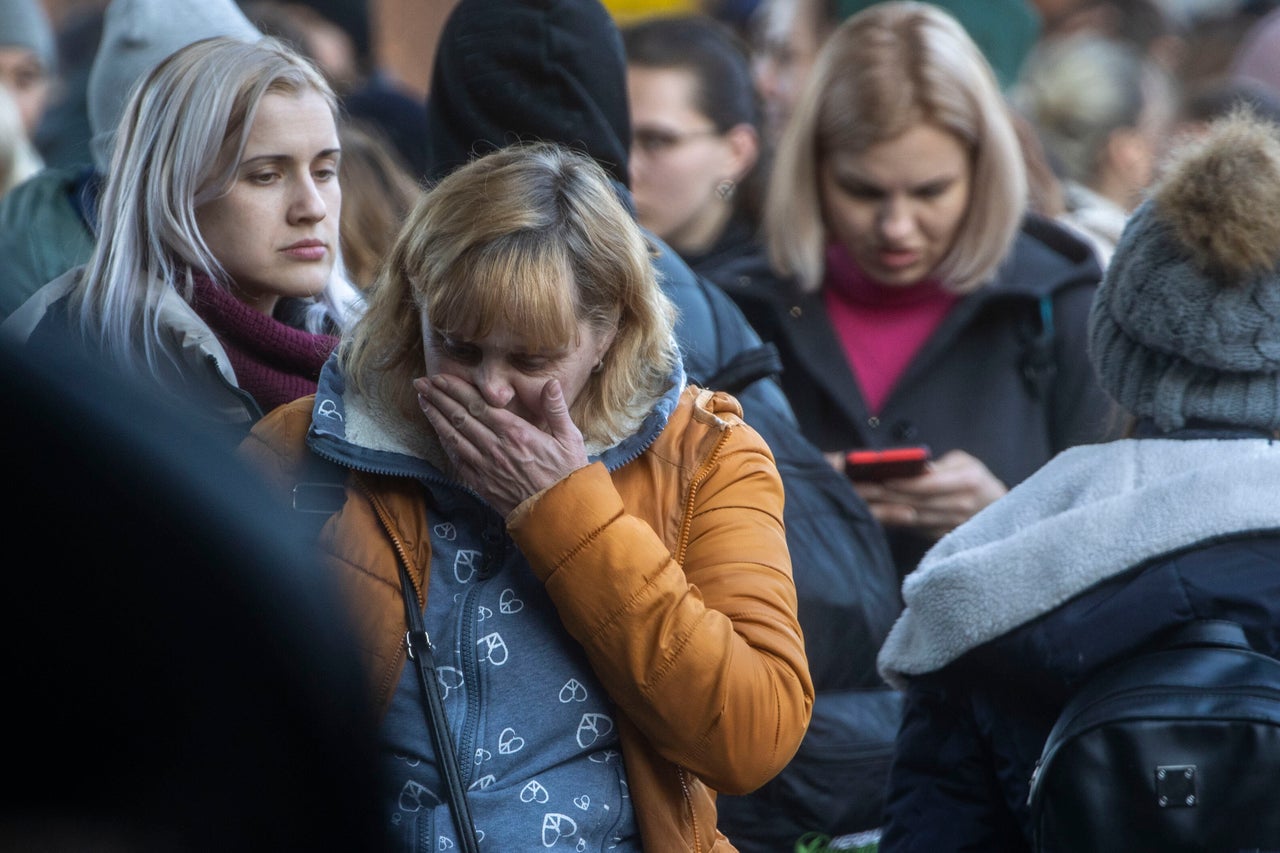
x: 555, y: 407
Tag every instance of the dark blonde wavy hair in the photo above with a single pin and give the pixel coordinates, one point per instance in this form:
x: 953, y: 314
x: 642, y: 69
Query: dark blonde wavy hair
x: 535, y: 237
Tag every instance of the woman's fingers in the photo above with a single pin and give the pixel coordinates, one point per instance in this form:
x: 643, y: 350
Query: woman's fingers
x: 457, y: 429
x: 502, y: 456
x: 955, y: 488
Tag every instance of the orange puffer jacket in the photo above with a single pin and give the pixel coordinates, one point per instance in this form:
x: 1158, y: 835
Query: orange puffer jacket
x: 673, y: 574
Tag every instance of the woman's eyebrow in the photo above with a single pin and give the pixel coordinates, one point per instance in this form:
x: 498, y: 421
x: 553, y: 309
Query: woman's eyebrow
x: 284, y: 158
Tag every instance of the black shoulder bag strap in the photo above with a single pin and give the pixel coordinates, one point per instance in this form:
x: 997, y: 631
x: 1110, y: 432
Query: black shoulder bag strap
x: 437, y: 723
x: 320, y: 495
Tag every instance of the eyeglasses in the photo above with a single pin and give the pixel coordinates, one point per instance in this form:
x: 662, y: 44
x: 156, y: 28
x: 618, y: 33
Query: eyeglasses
x: 655, y: 143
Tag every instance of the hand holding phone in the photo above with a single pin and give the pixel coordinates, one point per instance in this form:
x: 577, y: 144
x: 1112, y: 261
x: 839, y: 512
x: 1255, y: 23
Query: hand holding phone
x: 889, y: 463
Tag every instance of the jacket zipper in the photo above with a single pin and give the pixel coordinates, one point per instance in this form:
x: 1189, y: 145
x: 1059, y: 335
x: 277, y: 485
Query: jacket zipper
x: 682, y: 543
x: 402, y: 555
x: 681, y: 547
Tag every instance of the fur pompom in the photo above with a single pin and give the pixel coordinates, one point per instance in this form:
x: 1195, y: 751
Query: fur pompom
x: 1221, y: 196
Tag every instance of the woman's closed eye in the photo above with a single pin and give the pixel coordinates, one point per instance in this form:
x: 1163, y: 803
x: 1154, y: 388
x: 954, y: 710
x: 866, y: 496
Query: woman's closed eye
x: 264, y: 178
x: 458, y: 351
x: 469, y: 354
x: 531, y: 363
x: 863, y: 192
x: 326, y: 169
x: 870, y: 192
x: 934, y: 189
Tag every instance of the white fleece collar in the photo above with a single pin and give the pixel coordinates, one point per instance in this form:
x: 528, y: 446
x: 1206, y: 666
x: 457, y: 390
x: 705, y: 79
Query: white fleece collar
x: 1089, y: 514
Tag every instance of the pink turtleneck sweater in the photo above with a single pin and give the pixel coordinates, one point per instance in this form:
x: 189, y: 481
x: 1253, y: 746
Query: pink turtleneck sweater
x: 881, y: 327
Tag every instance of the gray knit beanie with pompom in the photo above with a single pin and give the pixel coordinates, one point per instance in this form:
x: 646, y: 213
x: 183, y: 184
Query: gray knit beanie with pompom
x: 1186, y: 323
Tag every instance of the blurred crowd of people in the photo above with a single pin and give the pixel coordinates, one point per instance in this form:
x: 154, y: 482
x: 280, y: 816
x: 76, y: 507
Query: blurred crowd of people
x: 578, y: 309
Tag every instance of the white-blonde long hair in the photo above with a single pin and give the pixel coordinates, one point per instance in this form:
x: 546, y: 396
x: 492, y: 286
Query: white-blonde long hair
x: 179, y: 146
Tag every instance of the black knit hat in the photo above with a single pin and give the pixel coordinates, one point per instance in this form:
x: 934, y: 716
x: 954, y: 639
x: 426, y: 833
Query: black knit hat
x: 512, y: 70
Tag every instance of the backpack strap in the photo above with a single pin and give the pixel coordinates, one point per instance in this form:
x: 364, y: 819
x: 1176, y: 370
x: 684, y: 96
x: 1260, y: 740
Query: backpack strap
x: 1206, y: 632
x: 1039, y: 369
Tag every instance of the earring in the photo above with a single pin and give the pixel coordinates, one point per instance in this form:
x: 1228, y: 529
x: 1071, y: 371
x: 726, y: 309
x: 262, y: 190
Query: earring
x: 725, y: 189
x: 599, y: 366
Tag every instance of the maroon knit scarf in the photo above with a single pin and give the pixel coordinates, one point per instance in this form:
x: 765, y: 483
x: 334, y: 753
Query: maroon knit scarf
x: 274, y: 362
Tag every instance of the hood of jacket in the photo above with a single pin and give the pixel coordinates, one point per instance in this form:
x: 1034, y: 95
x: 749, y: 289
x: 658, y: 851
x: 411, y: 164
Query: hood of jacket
x: 1089, y: 514
x: 1044, y: 258
x: 511, y: 70
x: 193, y: 340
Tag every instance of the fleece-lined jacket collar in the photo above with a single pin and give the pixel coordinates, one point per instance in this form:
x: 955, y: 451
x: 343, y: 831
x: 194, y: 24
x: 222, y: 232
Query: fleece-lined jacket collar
x: 347, y: 430
x: 1091, y: 513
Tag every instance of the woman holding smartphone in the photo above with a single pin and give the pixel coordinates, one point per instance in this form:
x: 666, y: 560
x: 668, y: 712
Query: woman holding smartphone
x: 912, y: 298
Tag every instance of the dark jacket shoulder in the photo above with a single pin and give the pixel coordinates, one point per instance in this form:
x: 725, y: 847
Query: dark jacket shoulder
x: 1046, y: 257
x: 998, y: 702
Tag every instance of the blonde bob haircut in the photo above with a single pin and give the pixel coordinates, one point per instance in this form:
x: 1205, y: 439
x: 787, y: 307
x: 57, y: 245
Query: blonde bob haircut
x: 532, y: 236
x: 886, y: 69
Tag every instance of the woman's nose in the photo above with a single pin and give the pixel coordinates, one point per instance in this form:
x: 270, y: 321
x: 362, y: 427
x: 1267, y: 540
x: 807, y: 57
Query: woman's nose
x: 494, y: 383
x: 895, y: 219
x: 308, y: 204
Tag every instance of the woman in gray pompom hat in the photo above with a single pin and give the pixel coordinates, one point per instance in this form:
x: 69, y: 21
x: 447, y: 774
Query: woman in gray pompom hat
x: 1185, y: 327
x: 1109, y: 546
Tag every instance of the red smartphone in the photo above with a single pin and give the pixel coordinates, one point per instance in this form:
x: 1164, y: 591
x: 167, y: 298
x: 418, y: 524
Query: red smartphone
x: 888, y: 463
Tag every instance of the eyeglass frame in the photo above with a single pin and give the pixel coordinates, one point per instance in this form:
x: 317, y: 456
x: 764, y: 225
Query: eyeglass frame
x: 655, y: 143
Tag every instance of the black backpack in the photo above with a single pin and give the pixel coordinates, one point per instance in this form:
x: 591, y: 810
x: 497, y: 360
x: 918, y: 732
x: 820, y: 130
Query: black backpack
x: 1176, y: 748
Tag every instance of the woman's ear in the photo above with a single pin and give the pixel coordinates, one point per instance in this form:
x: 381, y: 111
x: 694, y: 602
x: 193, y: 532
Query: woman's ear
x: 606, y: 340
x: 744, y: 150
